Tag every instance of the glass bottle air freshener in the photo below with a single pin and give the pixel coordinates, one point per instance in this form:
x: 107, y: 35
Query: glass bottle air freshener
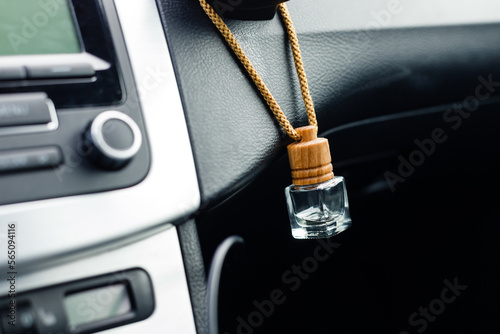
x: 317, y: 200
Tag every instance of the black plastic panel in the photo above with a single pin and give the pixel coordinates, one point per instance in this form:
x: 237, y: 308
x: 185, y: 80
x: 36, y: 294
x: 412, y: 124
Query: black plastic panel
x: 440, y: 223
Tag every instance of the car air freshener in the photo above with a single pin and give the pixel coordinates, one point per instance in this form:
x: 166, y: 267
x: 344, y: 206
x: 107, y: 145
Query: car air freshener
x: 317, y: 200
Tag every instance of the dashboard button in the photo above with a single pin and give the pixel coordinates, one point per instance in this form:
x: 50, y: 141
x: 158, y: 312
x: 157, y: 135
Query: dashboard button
x: 32, y: 158
x: 60, y: 71
x: 24, y: 321
x: 12, y: 73
x: 24, y: 109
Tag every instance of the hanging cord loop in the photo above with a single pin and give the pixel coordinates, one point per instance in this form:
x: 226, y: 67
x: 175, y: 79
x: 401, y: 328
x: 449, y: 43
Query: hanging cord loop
x: 259, y: 83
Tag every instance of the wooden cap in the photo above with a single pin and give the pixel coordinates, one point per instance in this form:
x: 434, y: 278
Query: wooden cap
x: 310, y: 159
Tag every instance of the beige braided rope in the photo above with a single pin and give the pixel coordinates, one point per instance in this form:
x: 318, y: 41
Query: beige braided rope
x: 261, y: 86
x: 299, y: 65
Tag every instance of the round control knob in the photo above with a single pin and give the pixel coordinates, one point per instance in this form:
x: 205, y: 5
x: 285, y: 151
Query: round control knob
x: 112, y: 140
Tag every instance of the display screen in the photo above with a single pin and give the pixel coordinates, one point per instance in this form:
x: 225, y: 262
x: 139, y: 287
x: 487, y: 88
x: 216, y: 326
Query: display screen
x: 98, y: 304
x: 36, y: 27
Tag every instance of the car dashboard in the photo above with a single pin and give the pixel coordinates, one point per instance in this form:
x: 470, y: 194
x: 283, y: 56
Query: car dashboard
x: 100, y: 232
x: 131, y: 151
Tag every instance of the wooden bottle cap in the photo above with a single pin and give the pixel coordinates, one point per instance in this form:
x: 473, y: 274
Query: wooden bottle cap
x: 310, y: 159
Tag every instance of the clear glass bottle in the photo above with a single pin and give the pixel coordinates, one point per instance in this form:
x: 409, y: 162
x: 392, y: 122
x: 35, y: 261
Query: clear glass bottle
x: 317, y: 200
x: 318, y: 210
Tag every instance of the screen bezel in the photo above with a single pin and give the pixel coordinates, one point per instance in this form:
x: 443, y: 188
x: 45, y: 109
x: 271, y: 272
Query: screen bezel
x: 104, y: 88
x: 50, y: 300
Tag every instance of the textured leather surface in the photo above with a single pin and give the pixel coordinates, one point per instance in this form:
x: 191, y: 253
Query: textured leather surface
x: 195, y: 273
x: 405, y: 63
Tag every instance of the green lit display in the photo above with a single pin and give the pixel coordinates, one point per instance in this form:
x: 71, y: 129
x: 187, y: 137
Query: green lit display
x: 97, y: 304
x: 37, y: 27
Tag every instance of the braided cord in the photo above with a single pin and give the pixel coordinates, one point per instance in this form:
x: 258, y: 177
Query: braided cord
x: 299, y: 65
x: 259, y: 83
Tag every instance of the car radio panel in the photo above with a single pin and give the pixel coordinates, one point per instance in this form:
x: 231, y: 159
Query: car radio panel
x: 64, y: 67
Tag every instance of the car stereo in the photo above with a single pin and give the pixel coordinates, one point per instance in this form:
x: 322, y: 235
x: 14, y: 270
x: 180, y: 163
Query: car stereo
x: 70, y: 120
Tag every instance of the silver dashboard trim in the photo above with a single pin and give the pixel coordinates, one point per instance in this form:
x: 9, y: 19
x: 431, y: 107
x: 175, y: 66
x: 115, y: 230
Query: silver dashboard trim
x: 50, y: 230
x: 159, y: 255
